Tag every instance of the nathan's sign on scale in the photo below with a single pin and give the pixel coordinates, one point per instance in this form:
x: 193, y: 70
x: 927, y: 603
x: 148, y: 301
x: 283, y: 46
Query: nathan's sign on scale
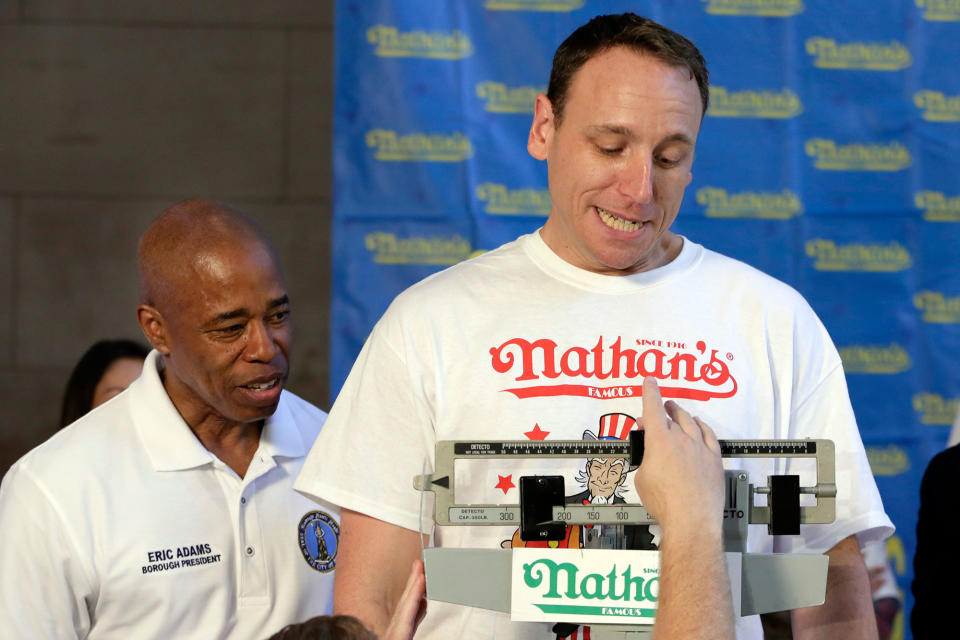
x: 592, y: 586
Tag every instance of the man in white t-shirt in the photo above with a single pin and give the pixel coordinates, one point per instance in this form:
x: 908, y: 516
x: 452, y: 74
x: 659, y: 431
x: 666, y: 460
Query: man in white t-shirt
x: 541, y: 337
x: 168, y: 511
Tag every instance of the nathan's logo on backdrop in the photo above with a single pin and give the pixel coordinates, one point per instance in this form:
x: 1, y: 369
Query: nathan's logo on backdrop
x: 829, y: 256
x: 828, y: 156
x: 937, y: 107
x: 392, y: 43
x: 753, y: 104
x: 937, y: 308
x: 749, y: 204
x: 771, y: 8
x: 940, y: 10
x: 387, y: 248
x: 896, y: 554
x: 533, y: 5
x: 503, y: 99
x: 418, y: 147
x: 553, y: 370
x: 937, y: 207
x: 864, y: 358
x: 502, y: 201
x: 887, y: 461
x: 935, y: 409
x: 869, y: 56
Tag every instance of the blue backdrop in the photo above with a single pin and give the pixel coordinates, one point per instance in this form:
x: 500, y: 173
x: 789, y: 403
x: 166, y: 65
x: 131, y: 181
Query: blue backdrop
x: 829, y: 158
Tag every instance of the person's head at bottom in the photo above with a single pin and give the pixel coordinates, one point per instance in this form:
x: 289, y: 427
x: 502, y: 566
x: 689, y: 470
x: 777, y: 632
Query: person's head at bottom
x: 325, y: 628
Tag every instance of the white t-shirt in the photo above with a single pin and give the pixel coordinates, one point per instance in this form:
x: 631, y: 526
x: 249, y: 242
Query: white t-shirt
x: 517, y: 344
x: 123, y: 525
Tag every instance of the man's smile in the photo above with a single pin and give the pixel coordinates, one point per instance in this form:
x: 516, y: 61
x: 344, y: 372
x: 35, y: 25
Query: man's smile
x: 616, y: 222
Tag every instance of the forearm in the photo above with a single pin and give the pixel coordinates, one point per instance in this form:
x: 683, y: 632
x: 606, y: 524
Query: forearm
x: 694, y: 599
x: 373, y: 565
x: 847, y: 611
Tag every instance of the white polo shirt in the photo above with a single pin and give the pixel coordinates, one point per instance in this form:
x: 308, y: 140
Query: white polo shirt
x: 124, y: 525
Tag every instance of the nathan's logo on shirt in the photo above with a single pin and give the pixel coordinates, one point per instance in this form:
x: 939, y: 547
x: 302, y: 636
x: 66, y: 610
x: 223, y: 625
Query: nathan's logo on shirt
x: 940, y: 10
x: 387, y: 248
x: 419, y: 147
x: 502, y: 201
x: 887, y: 461
x: 857, y: 157
x: 867, y: 56
x: 934, y: 409
x: 937, y: 308
x: 159, y: 560
x: 749, y: 204
x: 865, y: 358
x: 391, y: 43
x: 533, y: 5
x: 502, y: 99
x: 319, y: 536
x: 937, y: 107
x: 937, y: 207
x: 698, y: 374
x: 829, y: 256
x: 770, y: 8
x: 753, y: 104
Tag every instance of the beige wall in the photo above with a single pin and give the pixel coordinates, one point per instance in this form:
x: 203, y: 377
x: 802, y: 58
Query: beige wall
x: 111, y: 111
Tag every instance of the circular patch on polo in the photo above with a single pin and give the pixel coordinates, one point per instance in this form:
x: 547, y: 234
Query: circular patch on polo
x: 319, y: 540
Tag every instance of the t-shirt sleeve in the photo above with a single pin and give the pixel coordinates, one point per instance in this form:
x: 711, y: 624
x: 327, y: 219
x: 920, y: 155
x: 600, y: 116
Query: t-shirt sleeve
x: 825, y: 412
x: 379, y: 435
x: 45, y: 592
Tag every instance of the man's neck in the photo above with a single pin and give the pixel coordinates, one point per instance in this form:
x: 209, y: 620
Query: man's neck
x: 232, y: 442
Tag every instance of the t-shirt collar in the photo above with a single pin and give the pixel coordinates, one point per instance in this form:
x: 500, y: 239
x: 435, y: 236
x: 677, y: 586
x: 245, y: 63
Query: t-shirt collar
x: 545, y: 258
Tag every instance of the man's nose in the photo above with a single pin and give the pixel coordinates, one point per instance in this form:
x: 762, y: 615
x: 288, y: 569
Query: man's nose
x: 260, y: 344
x: 636, y: 179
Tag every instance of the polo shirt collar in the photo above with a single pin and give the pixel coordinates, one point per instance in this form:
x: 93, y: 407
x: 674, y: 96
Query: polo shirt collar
x: 280, y: 436
x: 170, y: 443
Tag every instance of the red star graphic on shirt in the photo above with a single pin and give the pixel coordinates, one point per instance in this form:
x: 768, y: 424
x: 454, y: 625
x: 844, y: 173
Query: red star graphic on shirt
x: 537, y: 433
x: 505, y: 484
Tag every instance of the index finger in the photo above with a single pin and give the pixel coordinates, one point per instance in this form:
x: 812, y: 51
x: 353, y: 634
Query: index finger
x: 653, y: 412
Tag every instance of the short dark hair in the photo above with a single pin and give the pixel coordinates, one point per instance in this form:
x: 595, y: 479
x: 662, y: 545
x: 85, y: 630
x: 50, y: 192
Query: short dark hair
x: 338, y: 627
x: 78, y: 396
x: 623, y: 30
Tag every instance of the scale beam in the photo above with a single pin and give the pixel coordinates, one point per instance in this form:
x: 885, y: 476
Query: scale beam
x: 442, y: 481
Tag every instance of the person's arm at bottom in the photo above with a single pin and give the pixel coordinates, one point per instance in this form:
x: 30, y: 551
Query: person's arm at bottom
x: 373, y: 568
x: 411, y: 608
x: 680, y: 481
x: 847, y: 611
x: 695, y: 601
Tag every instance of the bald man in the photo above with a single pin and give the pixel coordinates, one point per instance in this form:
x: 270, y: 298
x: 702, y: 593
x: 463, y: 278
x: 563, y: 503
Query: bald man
x: 168, y: 511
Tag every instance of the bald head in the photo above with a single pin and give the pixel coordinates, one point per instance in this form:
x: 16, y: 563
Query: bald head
x: 184, y: 239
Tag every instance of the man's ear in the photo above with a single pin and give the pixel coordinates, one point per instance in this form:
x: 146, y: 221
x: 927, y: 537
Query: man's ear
x: 154, y: 327
x: 541, y: 129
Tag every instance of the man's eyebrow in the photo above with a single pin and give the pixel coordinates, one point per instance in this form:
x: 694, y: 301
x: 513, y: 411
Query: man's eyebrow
x: 616, y: 129
x: 279, y: 302
x: 679, y: 137
x: 244, y: 312
x: 230, y: 315
x: 620, y: 130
